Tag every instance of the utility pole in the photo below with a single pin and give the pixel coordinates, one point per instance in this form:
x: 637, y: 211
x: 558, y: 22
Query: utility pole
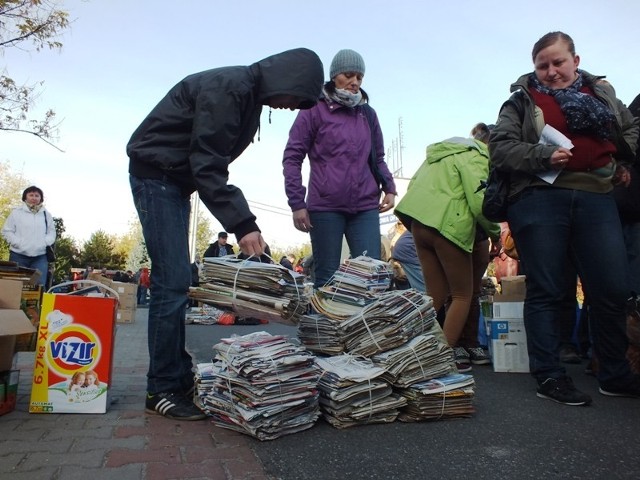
x: 398, y: 171
x: 193, y: 224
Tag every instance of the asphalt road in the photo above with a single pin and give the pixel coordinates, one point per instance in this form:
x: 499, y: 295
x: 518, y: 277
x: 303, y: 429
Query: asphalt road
x: 513, y: 435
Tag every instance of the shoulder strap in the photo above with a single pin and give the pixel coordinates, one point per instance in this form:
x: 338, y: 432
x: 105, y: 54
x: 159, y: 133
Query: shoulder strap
x: 373, y: 156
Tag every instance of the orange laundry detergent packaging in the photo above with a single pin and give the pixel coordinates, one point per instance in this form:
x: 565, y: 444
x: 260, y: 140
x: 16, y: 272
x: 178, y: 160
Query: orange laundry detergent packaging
x: 74, y: 351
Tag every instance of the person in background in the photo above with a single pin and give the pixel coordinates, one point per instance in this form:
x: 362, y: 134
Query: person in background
x: 442, y: 205
x: 468, y: 350
x: 627, y: 195
x: 404, y: 252
x: 341, y: 136
x: 144, y: 282
x: 186, y: 144
x: 220, y: 247
x: 287, y: 261
x: 29, y: 230
x: 574, y: 218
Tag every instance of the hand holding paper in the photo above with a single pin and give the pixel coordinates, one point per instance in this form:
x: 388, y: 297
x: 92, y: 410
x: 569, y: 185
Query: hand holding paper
x: 552, y: 136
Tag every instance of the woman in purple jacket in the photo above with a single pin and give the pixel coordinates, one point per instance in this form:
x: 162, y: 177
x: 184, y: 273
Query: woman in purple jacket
x: 342, y: 137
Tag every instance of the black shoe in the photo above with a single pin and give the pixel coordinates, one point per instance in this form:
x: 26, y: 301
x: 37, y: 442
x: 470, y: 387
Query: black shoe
x: 561, y: 390
x: 173, y: 405
x: 569, y: 354
x: 628, y: 388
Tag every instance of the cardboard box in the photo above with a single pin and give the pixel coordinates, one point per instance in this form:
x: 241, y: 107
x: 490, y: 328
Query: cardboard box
x: 126, y: 316
x: 124, y: 288
x: 8, y: 390
x: 514, y: 286
x: 508, y: 345
x: 128, y: 302
x: 74, y: 356
x: 13, y: 321
x: 502, y: 306
x: 30, y: 305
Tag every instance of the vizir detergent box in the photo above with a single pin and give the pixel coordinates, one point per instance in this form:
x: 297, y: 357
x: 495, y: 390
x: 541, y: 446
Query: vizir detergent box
x: 74, y: 354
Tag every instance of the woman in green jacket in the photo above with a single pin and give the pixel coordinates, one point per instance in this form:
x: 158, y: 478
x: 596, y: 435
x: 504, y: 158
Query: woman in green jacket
x: 441, y: 208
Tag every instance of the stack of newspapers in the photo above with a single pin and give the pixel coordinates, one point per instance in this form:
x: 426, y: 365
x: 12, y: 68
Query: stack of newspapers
x: 426, y: 356
x: 392, y: 319
x: 260, y: 384
x: 443, y: 397
x: 352, y: 392
x: 356, y: 283
x: 253, y: 289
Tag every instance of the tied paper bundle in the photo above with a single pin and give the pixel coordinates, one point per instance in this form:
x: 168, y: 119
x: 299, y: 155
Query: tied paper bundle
x: 391, y: 320
x: 356, y: 283
x: 261, y: 385
x: 352, y: 393
x: 450, y: 396
x: 423, y: 358
x: 252, y: 289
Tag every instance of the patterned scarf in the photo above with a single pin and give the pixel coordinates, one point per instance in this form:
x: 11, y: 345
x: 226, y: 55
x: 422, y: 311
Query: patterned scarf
x: 585, y: 114
x: 33, y: 208
x: 344, y: 97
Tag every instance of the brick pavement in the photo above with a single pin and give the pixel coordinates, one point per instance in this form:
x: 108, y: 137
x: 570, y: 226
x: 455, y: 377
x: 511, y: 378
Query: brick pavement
x: 124, y: 443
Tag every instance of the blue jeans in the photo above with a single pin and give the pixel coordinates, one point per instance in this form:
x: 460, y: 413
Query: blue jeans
x: 550, y: 225
x: 39, y: 262
x: 362, y: 231
x: 164, y: 214
x: 414, y: 275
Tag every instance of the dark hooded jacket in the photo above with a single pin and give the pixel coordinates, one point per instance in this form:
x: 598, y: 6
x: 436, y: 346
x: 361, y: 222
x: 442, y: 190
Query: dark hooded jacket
x: 208, y: 119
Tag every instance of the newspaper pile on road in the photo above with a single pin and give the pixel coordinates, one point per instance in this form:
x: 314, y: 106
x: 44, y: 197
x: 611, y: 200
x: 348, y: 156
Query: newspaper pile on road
x: 352, y: 393
x: 252, y: 289
x: 444, y: 397
x: 261, y: 385
x: 397, y: 333
x: 203, y: 315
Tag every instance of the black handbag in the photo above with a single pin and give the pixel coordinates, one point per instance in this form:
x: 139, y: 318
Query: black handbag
x: 496, y: 202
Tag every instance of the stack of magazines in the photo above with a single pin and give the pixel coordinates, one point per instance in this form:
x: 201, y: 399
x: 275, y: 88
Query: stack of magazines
x: 450, y: 396
x: 253, y: 289
x: 260, y: 384
x: 356, y: 283
x: 352, y: 392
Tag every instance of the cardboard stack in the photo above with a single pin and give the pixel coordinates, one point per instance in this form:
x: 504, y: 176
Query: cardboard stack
x: 127, y: 297
x: 13, y: 322
x: 127, y: 293
x: 504, y: 317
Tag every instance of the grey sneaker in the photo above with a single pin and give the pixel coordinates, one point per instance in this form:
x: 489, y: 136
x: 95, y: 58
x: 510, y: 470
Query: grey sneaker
x: 462, y: 359
x: 174, y: 406
x: 479, y: 356
x: 562, y: 390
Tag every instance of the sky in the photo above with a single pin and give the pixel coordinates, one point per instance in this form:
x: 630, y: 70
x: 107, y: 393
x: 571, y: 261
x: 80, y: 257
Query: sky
x: 433, y: 70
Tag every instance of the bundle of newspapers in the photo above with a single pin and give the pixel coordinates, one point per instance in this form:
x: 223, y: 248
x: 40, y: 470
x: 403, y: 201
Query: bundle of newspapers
x: 422, y: 358
x: 356, y: 283
x: 260, y: 384
x: 253, y: 289
x: 352, y: 392
x: 443, y: 397
x: 392, y: 319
